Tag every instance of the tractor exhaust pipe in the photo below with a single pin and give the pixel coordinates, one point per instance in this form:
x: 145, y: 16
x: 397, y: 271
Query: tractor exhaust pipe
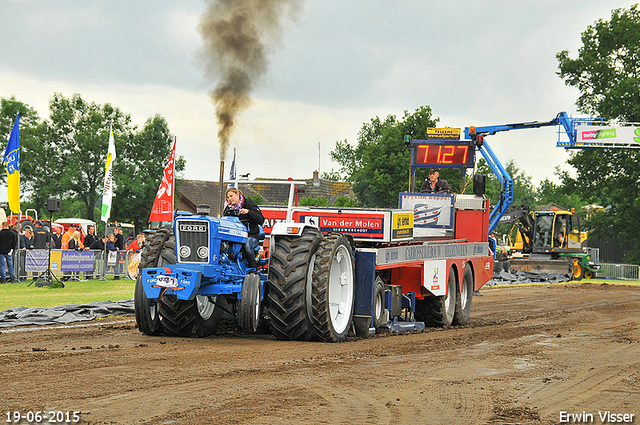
x: 222, y: 200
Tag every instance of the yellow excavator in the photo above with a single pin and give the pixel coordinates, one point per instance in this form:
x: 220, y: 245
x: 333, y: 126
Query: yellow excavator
x: 548, y: 241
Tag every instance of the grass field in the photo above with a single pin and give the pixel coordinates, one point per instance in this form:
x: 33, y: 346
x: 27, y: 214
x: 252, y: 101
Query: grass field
x: 26, y: 295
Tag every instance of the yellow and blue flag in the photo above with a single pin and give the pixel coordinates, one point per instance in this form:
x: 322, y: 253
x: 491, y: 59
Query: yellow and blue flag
x: 12, y: 159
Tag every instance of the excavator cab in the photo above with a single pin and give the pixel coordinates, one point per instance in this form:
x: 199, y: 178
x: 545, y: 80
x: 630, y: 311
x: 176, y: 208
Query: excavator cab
x: 556, y: 231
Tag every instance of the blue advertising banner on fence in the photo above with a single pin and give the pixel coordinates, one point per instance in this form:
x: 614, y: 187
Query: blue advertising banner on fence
x: 70, y: 261
x: 76, y: 261
x: 36, y: 260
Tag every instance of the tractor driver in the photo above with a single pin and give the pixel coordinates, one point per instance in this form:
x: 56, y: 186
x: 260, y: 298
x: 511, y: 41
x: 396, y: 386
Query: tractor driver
x: 250, y: 215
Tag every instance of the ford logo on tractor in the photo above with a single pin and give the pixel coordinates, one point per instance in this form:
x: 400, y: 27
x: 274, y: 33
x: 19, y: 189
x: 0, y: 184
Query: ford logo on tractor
x: 193, y: 227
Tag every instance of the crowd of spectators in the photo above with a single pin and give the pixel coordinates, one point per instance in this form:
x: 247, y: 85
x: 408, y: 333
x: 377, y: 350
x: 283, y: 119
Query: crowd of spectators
x: 11, y: 240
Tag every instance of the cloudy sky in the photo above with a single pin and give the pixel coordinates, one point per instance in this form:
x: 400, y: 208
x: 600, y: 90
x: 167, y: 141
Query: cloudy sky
x: 336, y: 65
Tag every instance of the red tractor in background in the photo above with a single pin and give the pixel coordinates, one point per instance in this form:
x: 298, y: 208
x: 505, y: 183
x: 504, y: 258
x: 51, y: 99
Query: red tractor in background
x: 27, y: 221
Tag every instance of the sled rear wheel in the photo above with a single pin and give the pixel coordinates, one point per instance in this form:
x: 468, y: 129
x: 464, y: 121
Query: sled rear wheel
x: 464, y: 297
x: 439, y: 311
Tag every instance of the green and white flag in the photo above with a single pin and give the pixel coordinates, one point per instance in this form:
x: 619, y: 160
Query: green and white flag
x: 107, y: 192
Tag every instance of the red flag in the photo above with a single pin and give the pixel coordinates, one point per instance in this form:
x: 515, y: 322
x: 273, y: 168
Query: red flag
x: 163, y: 206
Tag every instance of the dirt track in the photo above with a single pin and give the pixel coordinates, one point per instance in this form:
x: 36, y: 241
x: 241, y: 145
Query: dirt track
x: 528, y: 354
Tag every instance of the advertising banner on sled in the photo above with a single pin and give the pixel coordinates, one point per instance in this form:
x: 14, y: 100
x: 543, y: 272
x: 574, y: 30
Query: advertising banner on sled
x: 432, y: 212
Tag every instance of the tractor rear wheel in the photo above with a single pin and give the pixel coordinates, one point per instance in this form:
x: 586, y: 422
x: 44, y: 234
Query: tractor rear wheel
x: 333, y: 289
x: 439, y: 311
x: 178, y: 316
x: 291, y: 260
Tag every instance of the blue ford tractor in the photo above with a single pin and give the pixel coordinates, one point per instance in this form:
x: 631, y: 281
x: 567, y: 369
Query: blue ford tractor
x: 191, y: 275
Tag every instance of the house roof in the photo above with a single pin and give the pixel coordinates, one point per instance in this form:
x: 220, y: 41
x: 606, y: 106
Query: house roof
x: 196, y: 192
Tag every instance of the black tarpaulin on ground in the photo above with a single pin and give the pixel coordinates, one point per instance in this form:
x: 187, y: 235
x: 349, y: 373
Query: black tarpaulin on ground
x: 20, y: 316
x: 514, y: 278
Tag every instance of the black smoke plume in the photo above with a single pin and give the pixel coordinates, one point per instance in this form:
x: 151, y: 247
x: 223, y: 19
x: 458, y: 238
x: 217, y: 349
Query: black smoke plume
x: 237, y: 36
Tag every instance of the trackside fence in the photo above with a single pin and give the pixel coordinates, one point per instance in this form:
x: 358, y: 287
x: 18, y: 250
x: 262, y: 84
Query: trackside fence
x: 619, y: 271
x: 74, y: 265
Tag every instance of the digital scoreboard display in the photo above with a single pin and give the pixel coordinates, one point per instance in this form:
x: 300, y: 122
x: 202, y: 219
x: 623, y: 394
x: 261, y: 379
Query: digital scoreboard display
x: 442, y: 154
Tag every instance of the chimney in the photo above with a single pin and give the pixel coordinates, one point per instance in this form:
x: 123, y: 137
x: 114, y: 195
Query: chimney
x: 316, y: 178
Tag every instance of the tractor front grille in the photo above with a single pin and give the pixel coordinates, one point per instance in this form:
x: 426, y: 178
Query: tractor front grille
x: 192, y: 241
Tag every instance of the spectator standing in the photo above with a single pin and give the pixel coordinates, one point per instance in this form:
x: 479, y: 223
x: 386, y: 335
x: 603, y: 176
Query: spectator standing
x: 26, y: 242
x: 91, y: 236
x: 119, y: 244
x: 75, y: 244
x: 15, y: 229
x: 41, y: 237
x: 117, y: 231
x: 65, y: 245
x: 98, y: 244
x: 57, y: 238
x: 97, y: 248
x: 133, y: 253
x: 8, y: 242
x: 138, y: 244
x: 68, y: 236
x: 88, y: 241
x: 112, y: 253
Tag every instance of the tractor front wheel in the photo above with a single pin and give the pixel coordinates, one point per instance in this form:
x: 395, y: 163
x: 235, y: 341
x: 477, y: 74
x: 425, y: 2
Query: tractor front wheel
x: 209, y: 315
x: 249, y: 309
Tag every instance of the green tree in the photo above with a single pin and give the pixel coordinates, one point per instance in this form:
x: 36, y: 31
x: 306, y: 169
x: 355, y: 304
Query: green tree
x: 550, y: 193
x: 523, y: 188
x: 64, y: 157
x: 607, y: 72
x: 378, y: 166
x: 607, y: 68
x: 138, y: 171
x: 332, y: 175
x: 78, y: 139
x: 257, y: 198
